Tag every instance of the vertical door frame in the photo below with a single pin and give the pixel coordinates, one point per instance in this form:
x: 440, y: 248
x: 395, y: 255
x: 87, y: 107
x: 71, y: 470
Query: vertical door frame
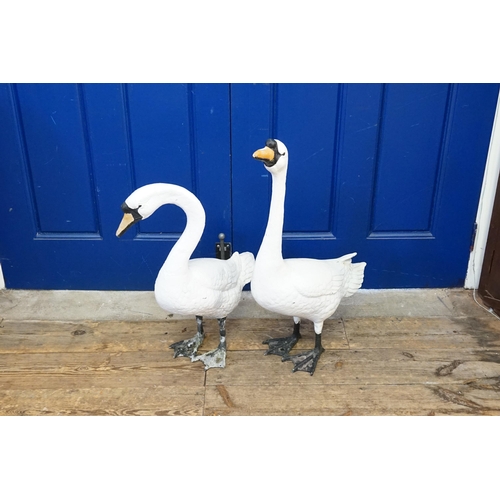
x: 485, y: 208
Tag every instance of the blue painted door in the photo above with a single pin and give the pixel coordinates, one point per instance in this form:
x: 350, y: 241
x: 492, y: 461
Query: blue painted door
x: 71, y: 154
x: 392, y: 172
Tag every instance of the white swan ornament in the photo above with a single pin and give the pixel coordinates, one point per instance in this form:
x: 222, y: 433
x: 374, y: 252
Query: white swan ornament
x: 302, y: 288
x: 206, y: 287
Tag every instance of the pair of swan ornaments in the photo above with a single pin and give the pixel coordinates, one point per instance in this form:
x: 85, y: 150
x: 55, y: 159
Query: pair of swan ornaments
x: 302, y: 288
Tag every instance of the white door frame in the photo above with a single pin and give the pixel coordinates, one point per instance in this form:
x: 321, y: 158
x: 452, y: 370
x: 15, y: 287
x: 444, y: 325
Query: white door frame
x: 485, y: 208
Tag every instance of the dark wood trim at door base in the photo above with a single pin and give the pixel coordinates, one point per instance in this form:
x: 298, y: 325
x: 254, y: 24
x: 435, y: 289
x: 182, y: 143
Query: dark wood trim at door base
x: 489, y: 284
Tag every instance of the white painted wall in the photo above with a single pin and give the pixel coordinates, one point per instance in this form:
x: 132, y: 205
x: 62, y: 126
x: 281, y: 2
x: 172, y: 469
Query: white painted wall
x: 485, y: 208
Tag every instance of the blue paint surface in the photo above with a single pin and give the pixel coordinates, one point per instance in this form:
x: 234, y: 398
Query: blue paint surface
x: 392, y: 172
x: 128, y: 135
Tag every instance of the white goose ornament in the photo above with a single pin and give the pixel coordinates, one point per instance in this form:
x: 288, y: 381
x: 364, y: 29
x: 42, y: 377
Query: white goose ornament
x: 206, y: 287
x: 302, y: 288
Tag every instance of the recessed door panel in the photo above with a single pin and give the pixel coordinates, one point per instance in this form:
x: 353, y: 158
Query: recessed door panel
x: 52, y: 131
x: 413, y: 127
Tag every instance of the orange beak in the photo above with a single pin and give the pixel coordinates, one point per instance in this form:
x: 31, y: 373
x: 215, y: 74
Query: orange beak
x: 264, y: 154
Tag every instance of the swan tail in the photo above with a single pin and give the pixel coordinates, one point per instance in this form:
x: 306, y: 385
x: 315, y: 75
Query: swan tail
x: 349, y: 256
x: 247, y: 265
x: 356, y: 276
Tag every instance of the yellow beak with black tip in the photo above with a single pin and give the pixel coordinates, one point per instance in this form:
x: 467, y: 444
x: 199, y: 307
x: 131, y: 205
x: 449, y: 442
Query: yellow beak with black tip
x: 264, y: 154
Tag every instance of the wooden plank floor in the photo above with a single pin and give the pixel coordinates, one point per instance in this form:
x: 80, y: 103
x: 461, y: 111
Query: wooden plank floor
x: 371, y: 366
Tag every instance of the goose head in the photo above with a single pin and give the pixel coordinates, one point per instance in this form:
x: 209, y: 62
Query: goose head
x: 142, y: 203
x: 274, y: 156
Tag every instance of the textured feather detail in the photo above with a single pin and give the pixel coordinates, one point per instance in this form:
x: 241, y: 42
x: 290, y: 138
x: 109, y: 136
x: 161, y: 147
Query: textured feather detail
x: 210, y: 287
x: 306, y: 288
x: 216, y: 274
x: 356, y: 276
x: 317, y: 278
x: 248, y: 264
x: 348, y: 256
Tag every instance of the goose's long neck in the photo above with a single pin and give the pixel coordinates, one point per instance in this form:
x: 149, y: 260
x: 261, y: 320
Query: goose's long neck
x: 270, y: 248
x: 181, y: 252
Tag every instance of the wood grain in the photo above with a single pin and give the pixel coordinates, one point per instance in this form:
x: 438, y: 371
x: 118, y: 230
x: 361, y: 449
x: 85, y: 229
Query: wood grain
x: 353, y: 400
x: 423, y: 333
x: 366, y: 367
x: 104, y: 401
x: 371, y: 366
x: 120, y: 336
x: 88, y: 370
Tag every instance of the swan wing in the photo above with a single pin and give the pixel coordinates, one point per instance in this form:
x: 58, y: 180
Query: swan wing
x: 215, y: 274
x: 315, y: 278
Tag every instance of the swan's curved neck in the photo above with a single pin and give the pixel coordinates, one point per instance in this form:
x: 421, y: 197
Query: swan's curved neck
x: 181, y: 252
x: 271, y: 247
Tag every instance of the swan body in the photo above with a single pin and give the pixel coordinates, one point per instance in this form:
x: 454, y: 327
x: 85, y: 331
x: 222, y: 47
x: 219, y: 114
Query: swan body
x: 302, y: 288
x: 305, y: 288
x: 210, y: 287
x: 205, y: 287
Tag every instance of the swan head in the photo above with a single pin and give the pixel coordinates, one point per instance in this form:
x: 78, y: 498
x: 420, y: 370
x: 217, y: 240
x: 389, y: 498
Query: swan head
x: 138, y: 206
x: 274, y: 156
x: 145, y: 200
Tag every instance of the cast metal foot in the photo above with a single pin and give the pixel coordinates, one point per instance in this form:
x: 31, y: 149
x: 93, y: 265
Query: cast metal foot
x: 187, y: 347
x: 280, y: 346
x: 213, y: 359
x: 305, y: 361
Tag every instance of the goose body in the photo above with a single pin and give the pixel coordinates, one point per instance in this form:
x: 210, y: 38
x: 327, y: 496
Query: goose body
x: 205, y: 287
x: 302, y: 288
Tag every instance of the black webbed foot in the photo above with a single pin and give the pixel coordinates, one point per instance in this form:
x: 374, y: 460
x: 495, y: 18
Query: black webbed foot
x: 280, y: 346
x: 305, y: 361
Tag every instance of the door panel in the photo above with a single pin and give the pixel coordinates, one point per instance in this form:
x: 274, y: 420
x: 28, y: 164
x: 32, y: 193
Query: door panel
x: 71, y: 154
x: 412, y: 124
x: 296, y: 111
x: 159, y: 124
x: 55, y: 147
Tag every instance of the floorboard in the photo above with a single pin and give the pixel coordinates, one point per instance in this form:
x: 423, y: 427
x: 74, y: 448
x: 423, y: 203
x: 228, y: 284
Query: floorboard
x: 371, y: 366
x: 169, y: 400
x: 351, y: 400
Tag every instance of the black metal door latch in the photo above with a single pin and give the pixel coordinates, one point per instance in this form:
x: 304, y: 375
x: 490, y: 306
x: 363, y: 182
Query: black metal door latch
x: 222, y: 249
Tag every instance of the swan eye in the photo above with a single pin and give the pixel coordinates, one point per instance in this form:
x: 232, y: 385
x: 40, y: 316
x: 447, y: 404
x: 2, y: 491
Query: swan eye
x: 134, y: 211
